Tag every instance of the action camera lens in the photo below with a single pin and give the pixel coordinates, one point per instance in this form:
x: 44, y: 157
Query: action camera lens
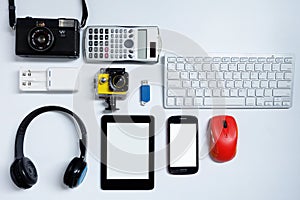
x: 40, y: 39
x: 119, y: 81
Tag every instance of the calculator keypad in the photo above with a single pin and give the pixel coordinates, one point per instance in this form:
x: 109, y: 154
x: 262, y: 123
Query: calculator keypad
x: 110, y: 43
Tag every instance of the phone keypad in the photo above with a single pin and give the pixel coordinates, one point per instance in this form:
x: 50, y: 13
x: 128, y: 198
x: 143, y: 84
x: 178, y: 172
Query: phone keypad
x: 111, y: 43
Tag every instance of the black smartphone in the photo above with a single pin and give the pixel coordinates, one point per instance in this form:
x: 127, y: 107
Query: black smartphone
x: 183, y: 156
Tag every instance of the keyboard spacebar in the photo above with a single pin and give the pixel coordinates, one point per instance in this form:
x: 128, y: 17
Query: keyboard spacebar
x: 224, y: 101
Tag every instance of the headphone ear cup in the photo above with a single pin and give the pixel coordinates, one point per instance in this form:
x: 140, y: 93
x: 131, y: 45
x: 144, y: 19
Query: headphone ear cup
x: 75, y: 172
x: 23, y: 173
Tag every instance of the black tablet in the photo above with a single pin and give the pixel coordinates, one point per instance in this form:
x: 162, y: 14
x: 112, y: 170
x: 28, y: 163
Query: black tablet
x: 127, y: 152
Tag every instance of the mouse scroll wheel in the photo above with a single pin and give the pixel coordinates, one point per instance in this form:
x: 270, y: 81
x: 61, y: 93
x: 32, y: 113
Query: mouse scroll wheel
x: 225, y: 124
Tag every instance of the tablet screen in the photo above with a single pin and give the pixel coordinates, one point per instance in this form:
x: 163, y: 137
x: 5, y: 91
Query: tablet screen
x: 127, y: 150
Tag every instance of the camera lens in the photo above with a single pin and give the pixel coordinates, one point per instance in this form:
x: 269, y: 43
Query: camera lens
x: 119, y: 81
x: 40, y: 39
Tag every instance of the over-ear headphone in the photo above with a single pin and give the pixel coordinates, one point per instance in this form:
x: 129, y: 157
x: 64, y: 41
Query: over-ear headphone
x: 23, y: 172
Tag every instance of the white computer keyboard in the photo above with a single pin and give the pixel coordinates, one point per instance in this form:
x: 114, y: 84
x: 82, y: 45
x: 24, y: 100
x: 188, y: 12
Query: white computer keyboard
x: 222, y: 81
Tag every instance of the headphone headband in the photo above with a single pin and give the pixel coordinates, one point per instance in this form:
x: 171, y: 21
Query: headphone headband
x: 19, y: 143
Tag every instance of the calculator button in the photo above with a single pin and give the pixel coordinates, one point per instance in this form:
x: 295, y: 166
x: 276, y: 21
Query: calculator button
x: 128, y: 44
x: 101, y: 55
x: 90, y: 30
x: 106, y: 31
x: 111, y: 56
x: 130, y: 51
x: 112, y: 40
x: 125, y: 35
x: 106, y: 55
x: 116, y: 40
x: 125, y: 56
x: 112, y: 31
x: 90, y: 43
x: 101, y: 37
x: 101, y: 31
x: 131, y: 36
x: 130, y: 31
x: 111, y: 46
x: 96, y: 31
x: 101, y: 43
x: 112, y: 35
x: 90, y: 55
x: 96, y: 37
x: 106, y: 43
x: 130, y: 56
x: 120, y: 40
x: 106, y: 37
x: 125, y: 30
x: 120, y: 36
x: 95, y: 55
x: 95, y: 49
x: 90, y: 37
x: 117, y: 31
x: 121, y: 31
x: 96, y: 43
x: 91, y: 49
x: 106, y: 49
x: 101, y: 49
x: 111, y: 51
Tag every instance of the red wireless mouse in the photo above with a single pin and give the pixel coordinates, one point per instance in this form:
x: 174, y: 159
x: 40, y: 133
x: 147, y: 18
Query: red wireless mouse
x: 223, y: 138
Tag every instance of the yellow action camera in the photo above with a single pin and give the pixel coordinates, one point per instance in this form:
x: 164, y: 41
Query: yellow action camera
x: 111, y: 84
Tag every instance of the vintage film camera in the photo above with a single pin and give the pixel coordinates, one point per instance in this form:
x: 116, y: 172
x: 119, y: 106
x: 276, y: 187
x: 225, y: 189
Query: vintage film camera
x: 111, y: 84
x: 42, y: 37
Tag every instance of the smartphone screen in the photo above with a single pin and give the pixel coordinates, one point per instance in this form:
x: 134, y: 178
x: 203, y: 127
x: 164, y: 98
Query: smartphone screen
x: 183, y: 144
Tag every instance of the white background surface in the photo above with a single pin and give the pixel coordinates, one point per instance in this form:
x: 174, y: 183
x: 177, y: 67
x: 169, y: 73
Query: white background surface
x: 267, y: 164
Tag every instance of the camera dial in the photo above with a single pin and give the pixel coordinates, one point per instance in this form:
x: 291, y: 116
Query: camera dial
x: 40, y: 38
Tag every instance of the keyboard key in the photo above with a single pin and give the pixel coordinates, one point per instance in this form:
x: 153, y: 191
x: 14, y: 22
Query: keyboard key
x: 258, y: 67
x: 251, y: 93
x: 216, y: 92
x: 173, y: 75
x: 193, y: 75
x: 245, y: 75
x: 191, y: 92
x: 268, y: 92
x: 208, y: 92
x: 250, y: 102
x: 234, y: 92
x: 212, y: 84
x: 286, y: 67
x: 288, y: 76
x: 267, y: 67
x: 282, y: 92
x: 188, y: 101
x: 174, y: 84
x: 224, y: 101
x: 259, y: 92
x: 179, y: 101
x: 250, y: 67
x: 204, y: 84
x: 180, y: 66
x: 206, y: 67
x: 224, y: 67
x: 171, y: 59
x: 186, y: 84
x: 170, y: 101
x: 279, y: 75
x: 171, y: 66
x: 184, y: 75
x: 260, y: 102
x: 247, y: 84
x: 288, y: 60
x: 225, y: 92
x: 199, y: 92
x: 241, y: 67
x: 176, y: 92
x: 211, y: 75
x: 242, y: 92
x: 202, y: 75
x: 284, y: 84
x: 215, y: 67
x: 189, y: 67
x: 180, y: 59
x: 232, y: 67
x: 286, y: 103
x: 198, y: 101
x: 195, y: 84
x: 276, y: 67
